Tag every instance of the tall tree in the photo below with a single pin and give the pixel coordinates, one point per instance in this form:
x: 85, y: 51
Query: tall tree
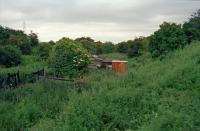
x: 87, y: 43
x: 192, y: 27
x: 34, y: 39
x: 169, y: 37
x: 108, y: 47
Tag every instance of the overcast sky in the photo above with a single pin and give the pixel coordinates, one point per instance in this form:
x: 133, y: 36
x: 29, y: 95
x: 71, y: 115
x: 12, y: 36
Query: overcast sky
x: 105, y: 20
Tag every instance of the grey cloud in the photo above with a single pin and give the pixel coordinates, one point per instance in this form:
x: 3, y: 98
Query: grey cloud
x: 94, y: 16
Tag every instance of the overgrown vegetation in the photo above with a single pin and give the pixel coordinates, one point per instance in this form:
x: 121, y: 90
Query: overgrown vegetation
x: 68, y: 58
x: 10, y: 56
x: 169, y: 37
x: 192, y: 27
x: 154, y: 95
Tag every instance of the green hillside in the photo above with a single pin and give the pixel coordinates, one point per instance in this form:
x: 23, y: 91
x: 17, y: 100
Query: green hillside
x: 153, y: 95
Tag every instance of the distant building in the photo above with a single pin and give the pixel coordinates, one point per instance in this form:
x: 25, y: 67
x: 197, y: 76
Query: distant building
x: 105, y: 63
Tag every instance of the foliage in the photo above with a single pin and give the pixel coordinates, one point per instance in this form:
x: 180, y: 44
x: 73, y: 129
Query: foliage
x: 108, y: 47
x: 90, y: 45
x: 10, y: 56
x: 22, y: 108
x: 28, y: 65
x: 154, y: 95
x: 34, y: 39
x: 68, y: 58
x: 18, y: 38
x: 9, y: 36
x: 43, y: 50
x: 169, y: 37
x: 98, y: 47
x: 87, y: 43
x: 52, y: 43
x: 135, y: 47
x: 27, y: 115
x: 122, y: 47
x: 192, y: 27
x: 145, y: 98
x: 25, y: 46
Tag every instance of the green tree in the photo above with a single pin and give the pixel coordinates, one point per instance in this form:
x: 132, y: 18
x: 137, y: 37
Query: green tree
x: 98, y: 47
x: 87, y: 43
x: 24, y: 45
x: 52, y: 43
x: 43, y: 50
x: 108, y: 47
x: 135, y: 47
x: 4, y: 35
x: 10, y: 56
x: 192, y: 27
x: 169, y: 37
x: 33, y: 39
x: 68, y: 58
x: 15, y: 38
x: 122, y: 47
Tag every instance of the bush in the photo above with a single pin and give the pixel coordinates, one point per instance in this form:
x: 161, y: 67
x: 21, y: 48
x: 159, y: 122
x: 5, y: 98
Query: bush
x: 33, y: 39
x: 25, y: 46
x: 68, y: 58
x: 122, y: 47
x: 108, y: 47
x: 135, y: 47
x: 88, y: 44
x: 43, y: 50
x: 10, y: 56
x: 169, y: 37
x: 98, y: 46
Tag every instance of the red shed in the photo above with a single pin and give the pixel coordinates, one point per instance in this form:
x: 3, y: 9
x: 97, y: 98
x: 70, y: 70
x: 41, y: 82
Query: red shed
x: 119, y: 66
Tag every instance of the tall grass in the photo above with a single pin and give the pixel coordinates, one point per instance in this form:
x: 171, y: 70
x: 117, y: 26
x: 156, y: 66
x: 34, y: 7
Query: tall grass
x: 24, y: 107
x: 155, y: 95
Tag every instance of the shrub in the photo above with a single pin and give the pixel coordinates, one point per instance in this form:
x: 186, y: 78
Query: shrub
x: 88, y: 44
x: 25, y: 46
x: 15, y: 38
x: 169, y: 37
x: 68, y: 58
x: 10, y: 56
x: 98, y: 47
x: 134, y: 50
x: 108, y: 47
x: 43, y: 50
x: 33, y: 39
x: 122, y: 47
x: 135, y: 47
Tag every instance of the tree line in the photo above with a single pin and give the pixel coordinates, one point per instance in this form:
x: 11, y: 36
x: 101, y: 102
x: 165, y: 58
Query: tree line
x: 170, y: 36
x: 14, y: 44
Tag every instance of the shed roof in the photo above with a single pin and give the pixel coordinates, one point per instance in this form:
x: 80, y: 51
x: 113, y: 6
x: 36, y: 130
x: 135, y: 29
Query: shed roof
x: 120, y: 61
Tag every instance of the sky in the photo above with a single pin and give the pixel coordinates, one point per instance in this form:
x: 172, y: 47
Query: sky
x: 104, y: 20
